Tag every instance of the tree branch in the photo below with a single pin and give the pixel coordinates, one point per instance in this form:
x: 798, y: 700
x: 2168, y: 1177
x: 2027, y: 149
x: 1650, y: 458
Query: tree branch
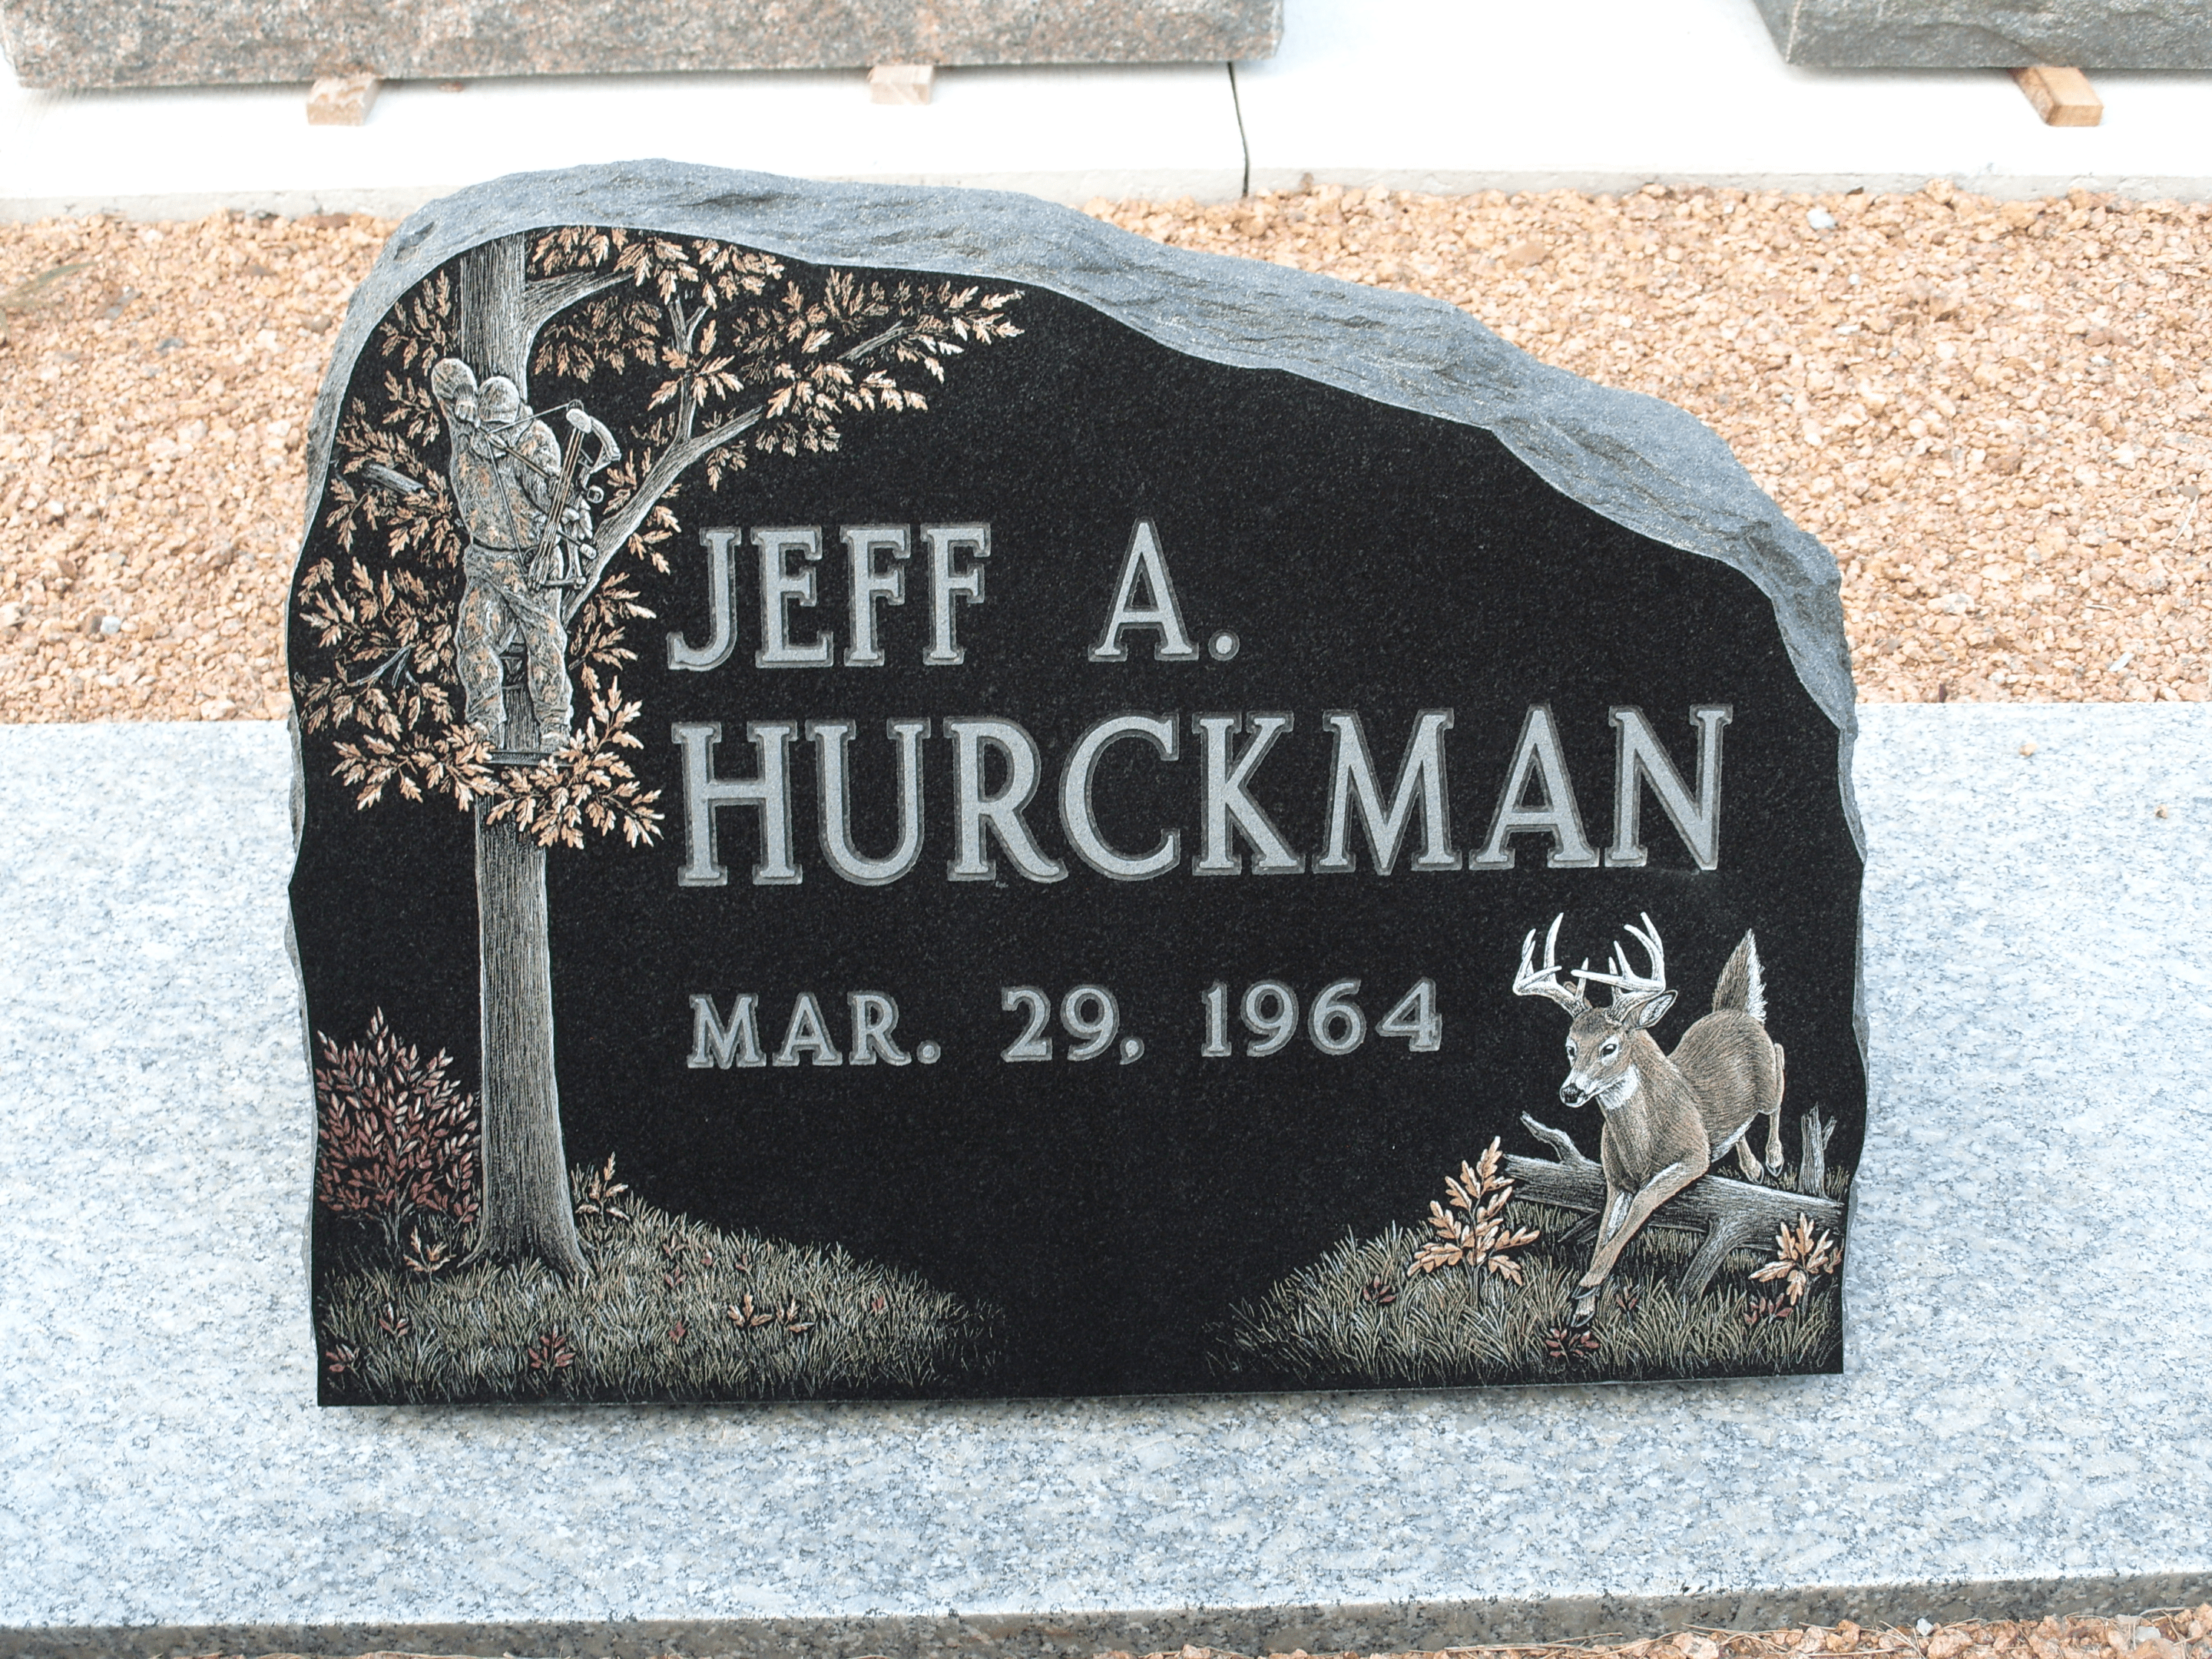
x: 687, y: 401
x: 877, y: 343
x: 675, y: 461
x: 547, y: 297
x: 1559, y: 1141
x: 1812, y: 1157
x: 619, y: 526
x: 1729, y: 1232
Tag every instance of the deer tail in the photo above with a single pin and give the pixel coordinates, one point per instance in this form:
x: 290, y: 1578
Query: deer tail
x: 1742, y: 987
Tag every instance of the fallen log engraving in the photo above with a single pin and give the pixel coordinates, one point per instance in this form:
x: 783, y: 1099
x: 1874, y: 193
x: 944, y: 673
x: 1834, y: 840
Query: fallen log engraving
x: 1730, y: 1214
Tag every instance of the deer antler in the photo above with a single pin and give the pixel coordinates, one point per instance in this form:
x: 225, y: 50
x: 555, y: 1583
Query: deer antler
x: 1629, y: 988
x: 1535, y: 981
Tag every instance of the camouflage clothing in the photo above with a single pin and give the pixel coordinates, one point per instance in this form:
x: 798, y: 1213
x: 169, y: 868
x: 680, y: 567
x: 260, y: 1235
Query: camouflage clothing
x: 500, y: 604
x: 506, y: 473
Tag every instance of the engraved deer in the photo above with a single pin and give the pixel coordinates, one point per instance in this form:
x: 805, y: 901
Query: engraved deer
x: 1668, y: 1118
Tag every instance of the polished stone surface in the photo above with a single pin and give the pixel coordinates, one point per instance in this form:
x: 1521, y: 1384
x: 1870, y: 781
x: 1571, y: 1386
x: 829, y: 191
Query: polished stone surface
x: 2089, y: 34
x: 2025, y: 1423
x: 204, y: 43
x: 1139, y: 362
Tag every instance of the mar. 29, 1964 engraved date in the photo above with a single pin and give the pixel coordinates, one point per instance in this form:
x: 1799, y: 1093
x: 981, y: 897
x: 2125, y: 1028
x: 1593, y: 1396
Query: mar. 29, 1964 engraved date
x: 1269, y: 1012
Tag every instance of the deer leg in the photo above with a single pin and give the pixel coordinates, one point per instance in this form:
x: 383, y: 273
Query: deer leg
x: 1774, y: 1118
x: 1625, y: 1223
x: 1607, y: 1220
x: 1739, y: 1144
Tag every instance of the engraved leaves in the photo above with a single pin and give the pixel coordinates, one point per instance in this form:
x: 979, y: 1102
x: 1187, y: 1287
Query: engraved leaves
x: 806, y: 354
x: 1473, y: 1233
x: 1798, y: 1257
x: 747, y: 1317
x: 725, y: 353
x: 599, y: 1197
x: 583, y: 785
x: 398, y: 1135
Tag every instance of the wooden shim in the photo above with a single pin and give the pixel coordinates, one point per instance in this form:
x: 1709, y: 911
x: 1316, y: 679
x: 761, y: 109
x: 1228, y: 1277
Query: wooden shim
x: 1728, y: 1213
x: 341, y: 101
x: 2062, y: 97
x: 901, y: 83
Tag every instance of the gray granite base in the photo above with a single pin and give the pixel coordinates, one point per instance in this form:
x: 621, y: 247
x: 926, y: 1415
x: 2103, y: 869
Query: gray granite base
x: 2024, y: 1424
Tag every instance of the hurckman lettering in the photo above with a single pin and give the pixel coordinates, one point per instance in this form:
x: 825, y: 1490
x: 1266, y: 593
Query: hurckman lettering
x: 998, y: 770
x: 1375, y: 814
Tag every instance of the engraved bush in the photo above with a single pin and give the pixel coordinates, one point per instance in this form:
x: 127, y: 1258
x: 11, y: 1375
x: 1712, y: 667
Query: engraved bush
x: 398, y: 1139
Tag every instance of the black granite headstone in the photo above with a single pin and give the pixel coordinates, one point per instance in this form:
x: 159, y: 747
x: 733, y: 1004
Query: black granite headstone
x: 905, y: 794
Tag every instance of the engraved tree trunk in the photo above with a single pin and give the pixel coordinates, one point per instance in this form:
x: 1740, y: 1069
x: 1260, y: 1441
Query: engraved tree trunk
x: 526, y: 1211
x: 1730, y: 1214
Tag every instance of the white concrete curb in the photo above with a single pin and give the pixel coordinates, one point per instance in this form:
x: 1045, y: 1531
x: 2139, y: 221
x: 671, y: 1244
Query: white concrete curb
x: 1414, y: 95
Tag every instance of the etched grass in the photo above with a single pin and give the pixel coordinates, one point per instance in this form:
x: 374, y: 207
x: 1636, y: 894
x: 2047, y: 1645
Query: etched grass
x: 1356, y: 1318
x: 671, y: 1310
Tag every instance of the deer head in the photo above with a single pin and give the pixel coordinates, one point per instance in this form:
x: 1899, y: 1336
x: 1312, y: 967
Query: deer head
x: 1606, y: 1047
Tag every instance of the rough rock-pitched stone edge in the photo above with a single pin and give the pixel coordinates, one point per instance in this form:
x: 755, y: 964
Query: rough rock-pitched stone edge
x: 1646, y: 465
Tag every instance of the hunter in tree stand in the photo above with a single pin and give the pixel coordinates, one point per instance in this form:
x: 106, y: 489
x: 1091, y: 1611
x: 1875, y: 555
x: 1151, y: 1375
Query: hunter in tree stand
x: 528, y: 518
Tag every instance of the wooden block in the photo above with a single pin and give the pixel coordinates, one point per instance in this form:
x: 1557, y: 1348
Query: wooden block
x: 901, y: 83
x: 2062, y: 97
x: 341, y: 101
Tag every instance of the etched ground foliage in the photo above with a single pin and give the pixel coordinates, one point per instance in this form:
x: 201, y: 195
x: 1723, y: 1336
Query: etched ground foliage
x: 668, y: 1309
x: 905, y: 795
x: 1370, y: 1312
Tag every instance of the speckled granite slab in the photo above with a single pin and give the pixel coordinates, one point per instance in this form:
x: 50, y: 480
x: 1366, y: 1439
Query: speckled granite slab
x: 2026, y: 1423
x: 190, y: 43
x: 2091, y: 34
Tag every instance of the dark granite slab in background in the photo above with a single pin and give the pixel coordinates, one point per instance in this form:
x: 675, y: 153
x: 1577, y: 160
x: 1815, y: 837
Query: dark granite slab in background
x: 2089, y: 34
x: 65, y: 45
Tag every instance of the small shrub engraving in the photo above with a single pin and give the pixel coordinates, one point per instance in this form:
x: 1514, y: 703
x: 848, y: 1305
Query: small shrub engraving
x: 1473, y: 1234
x: 397, y: 1138
x: 1798, y: 1256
